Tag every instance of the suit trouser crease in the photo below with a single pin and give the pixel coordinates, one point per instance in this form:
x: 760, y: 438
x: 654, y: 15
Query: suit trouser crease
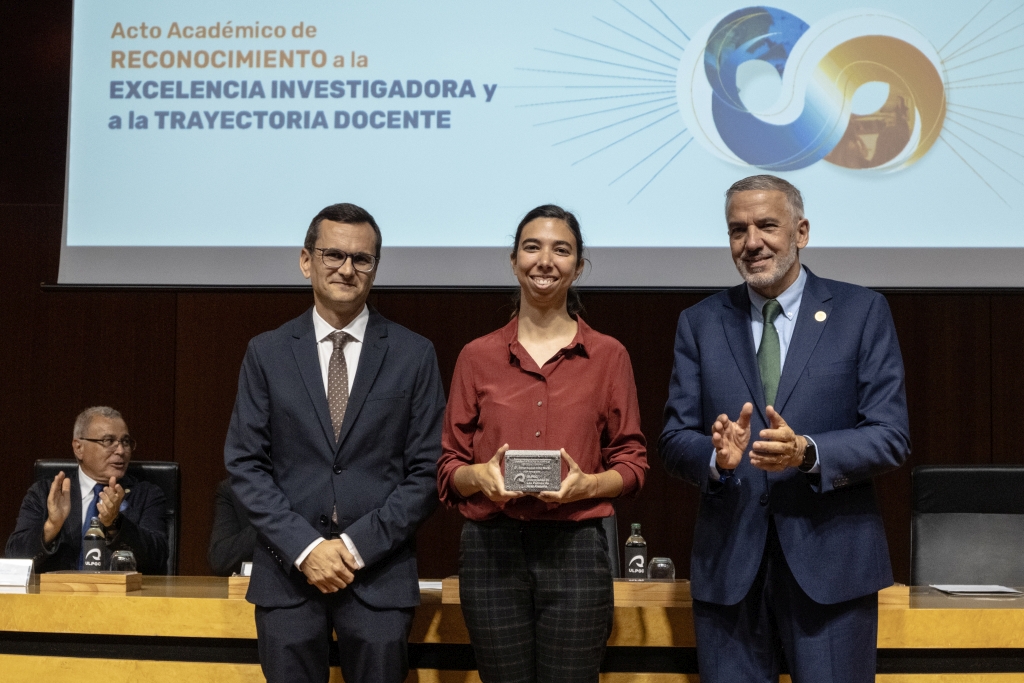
x: 778, y: 622
x: 294, y: 642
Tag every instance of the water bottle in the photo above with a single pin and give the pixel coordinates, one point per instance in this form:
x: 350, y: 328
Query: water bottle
x: 636, y: 555
x: 94, y: 547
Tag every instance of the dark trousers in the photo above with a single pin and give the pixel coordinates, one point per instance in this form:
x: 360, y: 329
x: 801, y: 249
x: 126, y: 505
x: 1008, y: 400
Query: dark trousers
x: 537, y: 599
x: 820, y: 643
x: 295, y: 642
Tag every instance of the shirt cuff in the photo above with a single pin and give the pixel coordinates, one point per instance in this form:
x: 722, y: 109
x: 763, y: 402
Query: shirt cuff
x: 713, y: 467
x: 51, y: 547
x: 305, y: 553
x: 352, y: 549
x: 817, y: 457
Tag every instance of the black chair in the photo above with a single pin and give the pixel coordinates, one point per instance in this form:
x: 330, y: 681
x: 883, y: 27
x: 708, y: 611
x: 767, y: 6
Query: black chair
x: 611, y: 532
x: 968, y: 525
x: 166, y: 475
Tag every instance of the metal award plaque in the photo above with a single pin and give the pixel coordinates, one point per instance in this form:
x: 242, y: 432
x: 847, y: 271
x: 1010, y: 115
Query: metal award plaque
x: 533, y: 471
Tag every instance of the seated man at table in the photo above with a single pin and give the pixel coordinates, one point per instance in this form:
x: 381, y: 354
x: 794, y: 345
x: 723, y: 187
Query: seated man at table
x: 233, y: 538
x: 56, y: 512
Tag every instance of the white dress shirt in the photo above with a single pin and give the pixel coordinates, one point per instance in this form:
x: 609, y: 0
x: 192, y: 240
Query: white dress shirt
x: 86, y: 484
x: 785, y: 323
x: 325, y: 347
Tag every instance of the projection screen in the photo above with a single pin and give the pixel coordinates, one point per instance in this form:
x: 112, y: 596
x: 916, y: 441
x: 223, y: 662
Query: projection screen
x: 203, y: 136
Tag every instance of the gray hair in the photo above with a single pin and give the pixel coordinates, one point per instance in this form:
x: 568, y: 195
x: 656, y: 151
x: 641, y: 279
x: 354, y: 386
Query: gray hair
x: 769, y: 183
x: 85, y: 418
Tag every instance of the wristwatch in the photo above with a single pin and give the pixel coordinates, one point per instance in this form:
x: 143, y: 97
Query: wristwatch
x: 115, y: 526
x: 810, y: 457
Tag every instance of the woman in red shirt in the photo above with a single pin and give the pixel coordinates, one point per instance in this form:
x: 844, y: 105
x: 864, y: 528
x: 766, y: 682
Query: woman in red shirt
x: 535, y: 581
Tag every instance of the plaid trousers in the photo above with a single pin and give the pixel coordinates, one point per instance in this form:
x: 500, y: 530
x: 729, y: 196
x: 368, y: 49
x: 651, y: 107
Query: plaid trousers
x: 537, y: 599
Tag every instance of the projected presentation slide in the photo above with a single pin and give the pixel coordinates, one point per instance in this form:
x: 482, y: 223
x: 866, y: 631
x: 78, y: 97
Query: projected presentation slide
x: 205, y: 135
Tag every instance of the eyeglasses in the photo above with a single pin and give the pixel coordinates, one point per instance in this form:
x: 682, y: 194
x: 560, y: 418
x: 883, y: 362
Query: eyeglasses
x: 335, y: 258
x: 108, y: 442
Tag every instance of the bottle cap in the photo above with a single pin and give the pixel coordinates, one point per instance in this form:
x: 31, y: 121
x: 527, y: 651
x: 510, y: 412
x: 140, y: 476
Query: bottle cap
x: 635, y: 526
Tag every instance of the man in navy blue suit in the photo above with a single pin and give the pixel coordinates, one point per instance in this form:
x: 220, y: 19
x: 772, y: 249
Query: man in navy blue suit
x: 56, y: 513
x: 332, y: 450
x: 787, y: 397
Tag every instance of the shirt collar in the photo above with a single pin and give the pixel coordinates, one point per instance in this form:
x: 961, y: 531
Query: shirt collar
x: 356, y: 328
x: 789, y: 299
x: 578, y: 343
x: 85, y: 483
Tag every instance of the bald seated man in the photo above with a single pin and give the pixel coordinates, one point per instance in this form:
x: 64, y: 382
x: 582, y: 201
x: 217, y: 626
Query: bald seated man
x: 55, y: 513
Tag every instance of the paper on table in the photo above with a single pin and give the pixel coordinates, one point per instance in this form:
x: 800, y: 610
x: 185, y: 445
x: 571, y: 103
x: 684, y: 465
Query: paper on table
x: 969, y: 589
x: 15, y: 572
x: 430, y: 585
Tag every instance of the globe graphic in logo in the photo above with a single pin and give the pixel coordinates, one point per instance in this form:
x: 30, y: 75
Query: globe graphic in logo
x: 860, y: 89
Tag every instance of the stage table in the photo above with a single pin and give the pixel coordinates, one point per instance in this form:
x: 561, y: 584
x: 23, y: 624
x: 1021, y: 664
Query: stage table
x: 189, y: 629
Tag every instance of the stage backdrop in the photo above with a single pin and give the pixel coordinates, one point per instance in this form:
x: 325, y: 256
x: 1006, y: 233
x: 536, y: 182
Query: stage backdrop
x: 204, y: 134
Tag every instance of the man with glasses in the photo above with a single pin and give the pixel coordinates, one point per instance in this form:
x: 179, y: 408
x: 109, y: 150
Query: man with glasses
x: 332, y: 450
x: 55, y: 514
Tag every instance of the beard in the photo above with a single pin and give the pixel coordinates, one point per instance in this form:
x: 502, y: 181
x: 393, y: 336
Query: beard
x: 783, y: 262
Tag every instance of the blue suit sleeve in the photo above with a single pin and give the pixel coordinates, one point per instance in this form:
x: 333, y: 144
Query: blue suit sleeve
x: 880, y: 440
x: 683, y: 445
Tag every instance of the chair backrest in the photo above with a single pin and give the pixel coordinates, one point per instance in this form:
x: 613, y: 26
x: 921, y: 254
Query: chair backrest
x: 611, y: 532
x: 968, y: 525
x: 166, y: 475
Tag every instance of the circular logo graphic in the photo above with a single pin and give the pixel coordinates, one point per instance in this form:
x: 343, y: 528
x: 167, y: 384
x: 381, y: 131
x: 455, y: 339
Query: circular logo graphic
x: 861, y: 89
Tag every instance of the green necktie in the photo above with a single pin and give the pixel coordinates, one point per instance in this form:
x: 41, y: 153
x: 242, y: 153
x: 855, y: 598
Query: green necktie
x: 769, y: 354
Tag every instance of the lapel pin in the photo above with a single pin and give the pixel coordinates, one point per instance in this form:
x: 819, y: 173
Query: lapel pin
x: 820, y: 316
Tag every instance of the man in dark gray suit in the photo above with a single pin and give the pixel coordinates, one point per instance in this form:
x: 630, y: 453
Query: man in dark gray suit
x: 332, y: 449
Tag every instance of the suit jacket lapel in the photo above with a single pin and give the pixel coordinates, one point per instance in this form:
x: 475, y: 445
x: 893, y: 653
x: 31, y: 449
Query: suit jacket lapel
x: 816, y: 297
x: 736, y: 321
x: 128, y: 483
x: 305, y: 352
x: 74, y: 522
x: 375, y: 347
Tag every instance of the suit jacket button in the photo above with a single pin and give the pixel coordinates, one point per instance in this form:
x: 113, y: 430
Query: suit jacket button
x: 324, y: 520
x: 763, y: 499
x: 337, y: 469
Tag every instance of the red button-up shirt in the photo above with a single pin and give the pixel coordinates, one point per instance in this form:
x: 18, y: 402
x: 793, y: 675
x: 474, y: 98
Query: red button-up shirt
x: 582, y: 400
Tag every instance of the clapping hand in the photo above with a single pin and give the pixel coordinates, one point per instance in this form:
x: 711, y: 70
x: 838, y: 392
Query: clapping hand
x: 730, y: 438
x: 58, y: 506
x: 109, y: 505
x: 779, y: 446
